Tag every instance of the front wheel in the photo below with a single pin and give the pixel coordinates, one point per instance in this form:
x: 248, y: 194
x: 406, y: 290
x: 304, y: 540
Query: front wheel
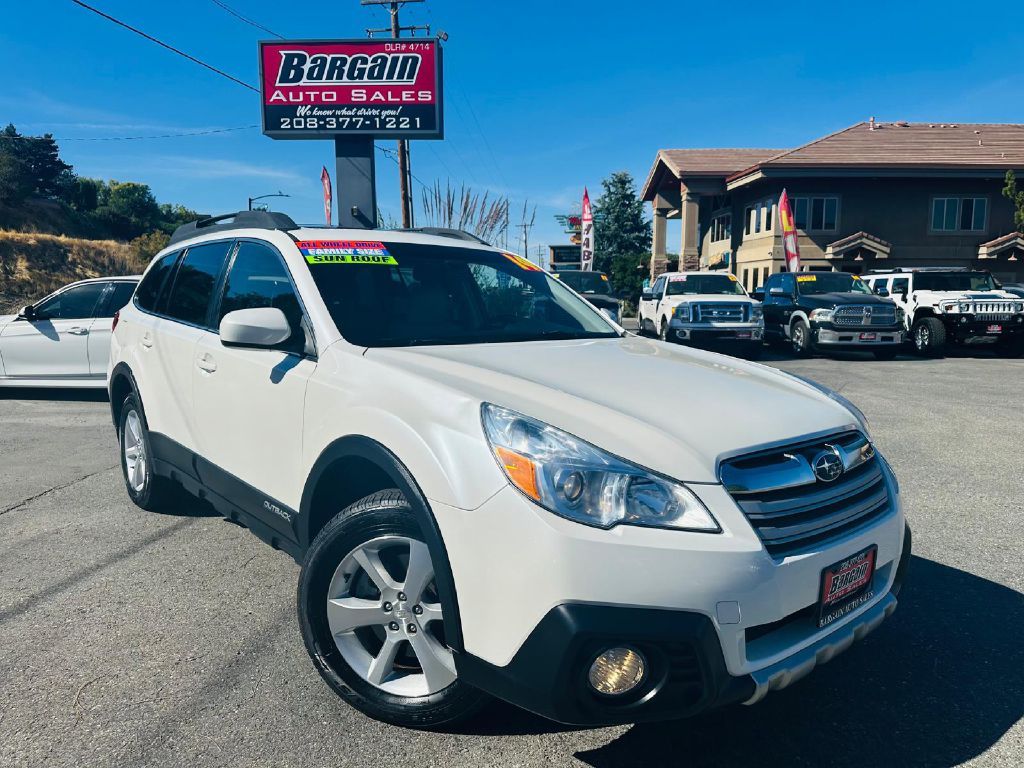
x: 800, y: 339
x: 663, y: 330
x: 146, y: 490
x: 372, y: 619
x: 929, y: 336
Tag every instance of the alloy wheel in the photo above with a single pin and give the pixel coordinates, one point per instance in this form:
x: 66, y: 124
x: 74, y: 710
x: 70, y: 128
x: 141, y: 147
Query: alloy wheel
x: 798, y: 338
x: 923, y: 337
x: 390, y: 629
x: 134, y: 452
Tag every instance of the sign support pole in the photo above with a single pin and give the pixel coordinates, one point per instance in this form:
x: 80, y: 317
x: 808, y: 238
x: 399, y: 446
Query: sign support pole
x: 356, y: 181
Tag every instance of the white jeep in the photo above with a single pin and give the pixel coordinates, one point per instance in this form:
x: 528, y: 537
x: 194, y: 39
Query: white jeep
x: 945, y: 305
x: 451, y: 444
x: 703, y: 309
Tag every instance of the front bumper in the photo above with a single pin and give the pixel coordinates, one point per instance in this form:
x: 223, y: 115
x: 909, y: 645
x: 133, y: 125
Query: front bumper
x: 709, y: 611
x: 966, y: 328
x: 832, y: 336
x: 715, y: 333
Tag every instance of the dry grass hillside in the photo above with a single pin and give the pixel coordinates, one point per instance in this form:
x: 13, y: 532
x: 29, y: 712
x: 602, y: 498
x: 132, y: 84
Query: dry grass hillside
x: 34, y: 264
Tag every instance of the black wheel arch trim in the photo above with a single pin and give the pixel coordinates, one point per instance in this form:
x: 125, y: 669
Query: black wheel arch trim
x: 360, y: 446
x: 121, y: 370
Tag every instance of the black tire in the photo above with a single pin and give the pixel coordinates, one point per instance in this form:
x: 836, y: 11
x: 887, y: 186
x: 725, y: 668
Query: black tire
x: 928, y: 335
x: 1013, y: 348
x: 885, y: 354
x: 156, y: 493
x: 380, y: 514
x: 663, y: 330
x: 640, y: 329
x: 800, y: 339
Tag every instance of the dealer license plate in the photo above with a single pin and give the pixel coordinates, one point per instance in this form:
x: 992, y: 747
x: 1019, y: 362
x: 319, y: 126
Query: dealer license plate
x: 994, y: 329
x: 846, y: 586
x: 742, y: 334
x: 868, y: 336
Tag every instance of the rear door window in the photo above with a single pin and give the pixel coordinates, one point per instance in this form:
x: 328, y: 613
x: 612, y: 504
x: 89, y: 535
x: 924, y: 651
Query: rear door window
x: 149, y: 289
x: 899, y: 284
x: 194, y: 284
x: 117, y: 297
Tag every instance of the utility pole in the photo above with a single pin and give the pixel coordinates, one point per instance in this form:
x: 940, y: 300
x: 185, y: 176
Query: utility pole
x: 404, y: 169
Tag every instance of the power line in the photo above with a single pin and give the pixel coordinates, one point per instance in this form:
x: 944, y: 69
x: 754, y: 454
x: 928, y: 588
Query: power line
x: 161, y: 43
x: 136, y: 138
x: 247, y: 20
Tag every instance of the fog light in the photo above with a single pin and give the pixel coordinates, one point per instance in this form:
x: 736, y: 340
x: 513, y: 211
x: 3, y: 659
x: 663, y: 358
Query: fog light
x: 616, y: 671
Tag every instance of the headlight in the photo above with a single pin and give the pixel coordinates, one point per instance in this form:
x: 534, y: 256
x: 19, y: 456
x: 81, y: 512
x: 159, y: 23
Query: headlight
x: 821, y: 315
x: 901, y: 315
x: 1018, y: 307
x: 580, y: 482
x: 965, y: 308
x: 682, y: 312
x: 756, y: 312
x: 856, y: 412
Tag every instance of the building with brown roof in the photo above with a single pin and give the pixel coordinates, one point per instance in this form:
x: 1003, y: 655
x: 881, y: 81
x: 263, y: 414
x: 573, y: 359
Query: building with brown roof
x: 874, y: 195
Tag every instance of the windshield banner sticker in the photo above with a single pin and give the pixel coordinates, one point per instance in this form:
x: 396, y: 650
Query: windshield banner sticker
x: 522, y: 263
x: 677, y: 279
x: 805, y: 278
x: 345, y: 252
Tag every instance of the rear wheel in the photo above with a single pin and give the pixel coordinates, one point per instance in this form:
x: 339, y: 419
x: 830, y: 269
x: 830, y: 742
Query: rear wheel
x: 800, y: 339
x: 145, y: 488
x: 372, y: 620
x: 929, y: 336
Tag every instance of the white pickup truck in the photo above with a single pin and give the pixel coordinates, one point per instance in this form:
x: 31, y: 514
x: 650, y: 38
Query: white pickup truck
x: 703, y: 308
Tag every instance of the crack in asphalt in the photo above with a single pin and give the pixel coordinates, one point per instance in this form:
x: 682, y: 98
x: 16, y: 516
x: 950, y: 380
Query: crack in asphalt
x: 30, y: 499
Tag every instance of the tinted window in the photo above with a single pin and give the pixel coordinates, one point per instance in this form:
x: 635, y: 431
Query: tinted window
x: 899, y: 284
x: 258, y: 279
x: 788, y: 284
x: 881, y: 284
x: 829, y: 282
x: 659, y: 287
x: 712, y: 284
x: 149, y: 289
x: 73, y: 304
x: 586, y: 282
x: 119, y: 297
x: 193, y: 285
x: 953, y: 281
x: 424, y: 294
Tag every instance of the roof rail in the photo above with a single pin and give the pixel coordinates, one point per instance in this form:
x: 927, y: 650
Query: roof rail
x: 228, y: 221
x: 455, y: 234
x: 923, y: 269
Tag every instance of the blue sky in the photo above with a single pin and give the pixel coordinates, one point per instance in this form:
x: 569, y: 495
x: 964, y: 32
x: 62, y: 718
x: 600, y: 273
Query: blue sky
x: 542, y: 97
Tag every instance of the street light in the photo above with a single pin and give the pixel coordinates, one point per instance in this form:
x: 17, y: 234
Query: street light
x: 260, y: 197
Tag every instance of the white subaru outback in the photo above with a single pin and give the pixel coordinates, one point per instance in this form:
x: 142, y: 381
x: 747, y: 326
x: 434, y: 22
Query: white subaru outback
x: 452, y: 445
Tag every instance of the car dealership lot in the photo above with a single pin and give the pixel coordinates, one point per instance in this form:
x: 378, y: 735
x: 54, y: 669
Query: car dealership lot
x: 129, y: 638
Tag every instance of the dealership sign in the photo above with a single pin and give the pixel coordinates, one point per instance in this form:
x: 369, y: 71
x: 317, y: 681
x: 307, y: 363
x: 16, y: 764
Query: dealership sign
x: 316, y: 89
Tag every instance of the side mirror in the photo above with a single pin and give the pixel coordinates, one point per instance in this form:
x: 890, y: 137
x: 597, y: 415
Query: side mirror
x: 757, y: 294
x: 27, y: 313
x: 880, y: 291
x: 778, y: 292
x: 646, y: 296
x: 262, y: 328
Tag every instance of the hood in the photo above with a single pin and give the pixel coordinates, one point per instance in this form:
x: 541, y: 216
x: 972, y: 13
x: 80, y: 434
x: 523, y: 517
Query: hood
x: 5, y: 319
x: 972, y: 295
x: 672, y: 409
x: 601, y: 300
x: 716, y: 298
x: 837, y: 299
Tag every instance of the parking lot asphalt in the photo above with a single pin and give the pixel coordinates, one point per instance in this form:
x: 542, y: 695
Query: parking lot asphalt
x: 130, y: 639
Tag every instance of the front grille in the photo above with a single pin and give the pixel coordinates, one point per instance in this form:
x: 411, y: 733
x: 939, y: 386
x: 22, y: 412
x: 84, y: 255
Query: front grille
x: 791, y: 509
x: 991, y: 316
x: 732, y: 312
x: 865, y: 315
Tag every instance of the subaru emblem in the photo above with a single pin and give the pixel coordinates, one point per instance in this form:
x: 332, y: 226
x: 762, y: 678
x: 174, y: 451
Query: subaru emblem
x: 828, y: 465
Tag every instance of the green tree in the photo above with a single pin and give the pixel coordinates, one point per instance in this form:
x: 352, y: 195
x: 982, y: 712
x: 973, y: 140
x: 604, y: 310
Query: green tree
x: 1016, y: 197
x: 14, y: 178
x: 128, y: 209
x: 41, y: 156
x: 148, y: 245
x: 622, y: 235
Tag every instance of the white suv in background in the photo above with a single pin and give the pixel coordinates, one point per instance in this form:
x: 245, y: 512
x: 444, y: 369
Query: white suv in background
x: 451, y: 444
x: 703, y: 309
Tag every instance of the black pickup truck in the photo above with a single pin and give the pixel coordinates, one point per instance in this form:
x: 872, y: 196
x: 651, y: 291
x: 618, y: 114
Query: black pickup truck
x: 825, y: 311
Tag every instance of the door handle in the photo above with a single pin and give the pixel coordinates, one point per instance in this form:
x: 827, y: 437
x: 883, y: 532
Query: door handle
x: 206, y: 363
x: 78, y: 331
x: 146, y: 341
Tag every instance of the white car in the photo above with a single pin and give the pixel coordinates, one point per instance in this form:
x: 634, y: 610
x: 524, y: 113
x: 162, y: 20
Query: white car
x: 703, y: 308
x: 953, y: 305
x: 64, y: 339
x: 451, y: 444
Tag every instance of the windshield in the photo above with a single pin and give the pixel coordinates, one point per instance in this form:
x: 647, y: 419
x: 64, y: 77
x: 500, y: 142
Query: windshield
x: 953, y: 281
x: 404, y: 294
x: 829, y: 282
x: 586, y: 282
x: 715, y: 284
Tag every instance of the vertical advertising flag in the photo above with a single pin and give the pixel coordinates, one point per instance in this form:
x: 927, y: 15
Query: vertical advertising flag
x: 587, y: 235
x: 789, y: 236
x: 325, y: 179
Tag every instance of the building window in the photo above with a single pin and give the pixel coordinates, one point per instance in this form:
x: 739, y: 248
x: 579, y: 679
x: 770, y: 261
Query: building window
x: 764, y: 274
x: 721, y: 227
x: 759, y: 217
x: 959, y: 214
x: 816, y: 214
